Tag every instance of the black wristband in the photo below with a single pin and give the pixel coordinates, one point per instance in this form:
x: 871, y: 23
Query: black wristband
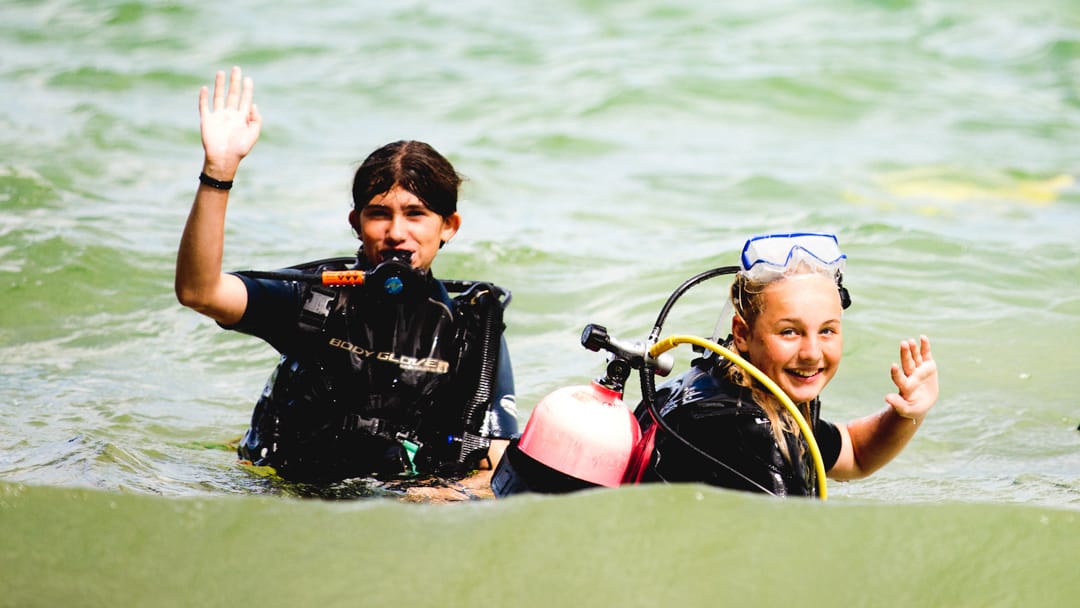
x: 206, y: 180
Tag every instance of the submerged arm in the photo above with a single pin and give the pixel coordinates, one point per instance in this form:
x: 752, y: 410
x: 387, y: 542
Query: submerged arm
x: 475, y: 486
x: 479, y: 483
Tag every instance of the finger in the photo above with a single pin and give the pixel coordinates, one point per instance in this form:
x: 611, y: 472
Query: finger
x: 219, y: 89
x: 925, y: 348
x: 907, y: 359
x: 233, y: 100
x: 898, y: 377
x: 916, y: 354
x: 204, y: 101
x: 254, y: 118
x: 247, y: 95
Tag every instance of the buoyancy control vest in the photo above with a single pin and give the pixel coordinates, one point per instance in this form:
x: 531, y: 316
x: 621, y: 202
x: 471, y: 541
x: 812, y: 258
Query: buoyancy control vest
x: 722, y: 419
x: 381, y: 387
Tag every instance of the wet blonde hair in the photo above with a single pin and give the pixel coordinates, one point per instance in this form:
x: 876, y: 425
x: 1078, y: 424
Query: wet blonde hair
x: 749, y: 302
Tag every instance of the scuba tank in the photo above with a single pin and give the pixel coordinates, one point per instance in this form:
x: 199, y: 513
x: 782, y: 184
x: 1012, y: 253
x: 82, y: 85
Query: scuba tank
x: 578, y: 436
x: 566, y: 446
x: 585, y: 436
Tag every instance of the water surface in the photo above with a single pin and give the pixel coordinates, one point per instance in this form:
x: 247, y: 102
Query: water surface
x: 612, y: 150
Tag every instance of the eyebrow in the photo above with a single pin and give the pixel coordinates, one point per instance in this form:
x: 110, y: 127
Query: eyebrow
x: 800, y: 322
x: 406, y: 207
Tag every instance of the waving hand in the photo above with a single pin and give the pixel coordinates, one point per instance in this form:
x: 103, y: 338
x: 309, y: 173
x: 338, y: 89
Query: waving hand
x: 916, y: 380
x: 230, y: 126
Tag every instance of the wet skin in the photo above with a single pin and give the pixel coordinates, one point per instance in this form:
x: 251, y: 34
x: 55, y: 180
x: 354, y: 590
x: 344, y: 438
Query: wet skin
x: 399, y: 221
x: 796, y: 340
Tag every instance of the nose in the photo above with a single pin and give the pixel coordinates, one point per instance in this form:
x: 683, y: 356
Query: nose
x: 396, y: 230
x: 810, y: 348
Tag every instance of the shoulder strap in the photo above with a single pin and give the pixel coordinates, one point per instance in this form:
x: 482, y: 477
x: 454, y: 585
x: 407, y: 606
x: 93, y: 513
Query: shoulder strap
x: 480, y: 309
x: 478, y: 317
x: 469, y: 290
x: 318, y: 299
x: 338, y: 262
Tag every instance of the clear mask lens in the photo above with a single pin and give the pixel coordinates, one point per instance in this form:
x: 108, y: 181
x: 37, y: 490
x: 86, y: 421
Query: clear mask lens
x: 774, y: 253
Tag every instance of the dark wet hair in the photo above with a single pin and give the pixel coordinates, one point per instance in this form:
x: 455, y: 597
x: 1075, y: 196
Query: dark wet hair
x: 416, y: 167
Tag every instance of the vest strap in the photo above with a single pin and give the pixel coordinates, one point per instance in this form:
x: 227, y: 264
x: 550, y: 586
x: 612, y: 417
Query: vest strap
x: 316, y: 309
x: 378, y: 427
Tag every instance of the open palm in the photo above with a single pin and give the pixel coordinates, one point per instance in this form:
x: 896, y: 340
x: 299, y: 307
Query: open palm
x: 915, y: 378
x: 230, y: 126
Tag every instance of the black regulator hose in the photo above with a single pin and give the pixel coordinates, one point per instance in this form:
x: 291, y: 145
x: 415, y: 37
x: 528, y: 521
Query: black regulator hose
x: 489, y: 357
x: 648, y: 372
x: 394, y: 278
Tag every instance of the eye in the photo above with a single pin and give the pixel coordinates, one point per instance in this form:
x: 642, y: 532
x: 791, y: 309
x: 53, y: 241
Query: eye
x: 375, y: 213
x: 788, y: 331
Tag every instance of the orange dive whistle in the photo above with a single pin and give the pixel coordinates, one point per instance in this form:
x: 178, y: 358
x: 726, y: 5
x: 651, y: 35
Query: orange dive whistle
x: 342, y: 277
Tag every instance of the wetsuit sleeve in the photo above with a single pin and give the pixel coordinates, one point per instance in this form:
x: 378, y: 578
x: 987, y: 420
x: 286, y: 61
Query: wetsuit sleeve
x: 829, y: 442
x: 273, y: 308
x: 501, y: 420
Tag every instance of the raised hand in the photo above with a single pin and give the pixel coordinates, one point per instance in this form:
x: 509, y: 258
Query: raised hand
x: 231, y: 126
x: 916, y: 380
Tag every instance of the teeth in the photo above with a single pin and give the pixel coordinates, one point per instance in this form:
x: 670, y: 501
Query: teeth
x: 804, y: 374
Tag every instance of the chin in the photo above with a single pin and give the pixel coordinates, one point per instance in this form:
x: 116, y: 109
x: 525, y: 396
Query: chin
x: 803, y: 394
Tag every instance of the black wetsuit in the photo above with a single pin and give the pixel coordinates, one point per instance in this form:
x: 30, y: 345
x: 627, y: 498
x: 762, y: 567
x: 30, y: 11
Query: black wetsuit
x: 370, y: 389
x: 722, y: 419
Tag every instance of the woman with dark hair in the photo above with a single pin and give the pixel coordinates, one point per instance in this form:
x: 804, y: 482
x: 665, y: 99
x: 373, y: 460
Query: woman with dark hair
x: 392, y: 378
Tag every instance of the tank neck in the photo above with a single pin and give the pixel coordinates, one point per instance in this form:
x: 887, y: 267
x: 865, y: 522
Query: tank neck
x: 606, y: 393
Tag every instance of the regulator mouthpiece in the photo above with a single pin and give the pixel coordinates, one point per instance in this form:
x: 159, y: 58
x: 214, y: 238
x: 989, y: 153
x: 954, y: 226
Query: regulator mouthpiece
x: 394, y: 277
x: 398, y: 255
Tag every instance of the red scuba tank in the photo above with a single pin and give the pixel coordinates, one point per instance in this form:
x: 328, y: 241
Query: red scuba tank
x: 586, y: 432
x: 641, y: 457
x: 580, y: 436
x: 577, y: 437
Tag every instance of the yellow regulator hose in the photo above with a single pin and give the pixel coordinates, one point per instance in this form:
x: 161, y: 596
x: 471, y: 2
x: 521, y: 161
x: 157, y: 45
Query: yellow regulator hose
x: 670, y: 342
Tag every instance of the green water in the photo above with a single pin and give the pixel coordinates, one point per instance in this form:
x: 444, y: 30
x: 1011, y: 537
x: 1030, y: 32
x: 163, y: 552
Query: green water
x: 625, y: 548
x: 612, y: 149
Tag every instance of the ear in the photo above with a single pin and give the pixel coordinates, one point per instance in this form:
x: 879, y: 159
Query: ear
x: 450, y: 227
x: 354, y: 220
x: 740, y: 331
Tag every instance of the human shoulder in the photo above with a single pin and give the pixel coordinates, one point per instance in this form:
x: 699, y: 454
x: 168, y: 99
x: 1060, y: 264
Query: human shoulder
x: 275, y: 299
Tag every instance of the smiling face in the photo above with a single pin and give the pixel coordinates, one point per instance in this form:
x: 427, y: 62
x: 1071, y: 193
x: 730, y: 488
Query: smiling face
x: 399, y: 221
x: 796, y: 339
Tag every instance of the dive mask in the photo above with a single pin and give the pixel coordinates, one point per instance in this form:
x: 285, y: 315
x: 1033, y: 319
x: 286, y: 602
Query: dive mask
x: 774, y: 253
x: 769, y: 257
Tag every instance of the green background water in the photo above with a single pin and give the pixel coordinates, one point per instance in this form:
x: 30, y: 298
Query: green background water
x: 612, y: 149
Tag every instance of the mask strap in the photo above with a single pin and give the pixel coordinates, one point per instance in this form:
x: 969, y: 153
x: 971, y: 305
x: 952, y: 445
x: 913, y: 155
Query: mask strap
x: 725, y: 314
x: 845, y: 297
